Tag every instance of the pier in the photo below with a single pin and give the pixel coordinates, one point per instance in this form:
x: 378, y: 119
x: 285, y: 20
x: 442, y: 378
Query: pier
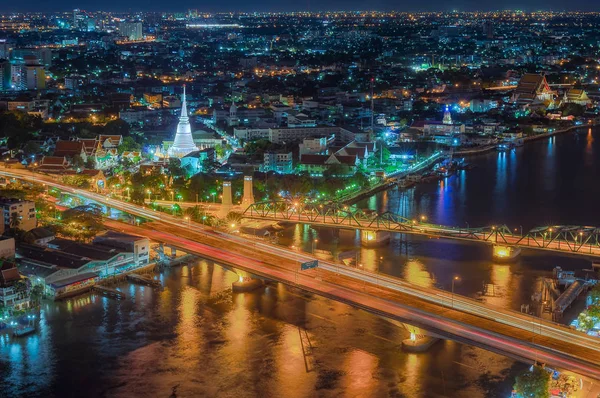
x: 109, y: 292
x: 143, y: 280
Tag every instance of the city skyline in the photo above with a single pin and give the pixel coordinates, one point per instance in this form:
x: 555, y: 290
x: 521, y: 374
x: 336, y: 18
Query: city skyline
x: 266, y: 6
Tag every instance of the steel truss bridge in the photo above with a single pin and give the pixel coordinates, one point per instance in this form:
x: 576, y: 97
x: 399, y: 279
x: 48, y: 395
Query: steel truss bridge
x: 562, y: 238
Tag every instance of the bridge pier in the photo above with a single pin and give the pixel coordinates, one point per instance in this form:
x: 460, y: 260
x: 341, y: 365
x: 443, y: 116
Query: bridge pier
x: 505, y: 253
x: 370, y: 238
x: 227, y: 200
x: 419, y: 340
x: 246, y: 284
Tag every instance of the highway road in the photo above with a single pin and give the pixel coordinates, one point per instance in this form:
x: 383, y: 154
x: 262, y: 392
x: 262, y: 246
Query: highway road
x: 505, y: 331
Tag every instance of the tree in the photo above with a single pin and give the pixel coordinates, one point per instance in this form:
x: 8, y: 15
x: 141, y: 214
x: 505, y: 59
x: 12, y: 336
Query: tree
x: 129, y: 145
x: 77, y: 162
x: 32, y: 148
x: 15, y: 221
x: 137, y: 196
x: 219, y: 150
x: 573, y: 109
x: 208, y: 165
x: 90, y: 163
x: 533, y: 384
x: 36, y: 293
x: 117, y: 127
x: 337, y: 170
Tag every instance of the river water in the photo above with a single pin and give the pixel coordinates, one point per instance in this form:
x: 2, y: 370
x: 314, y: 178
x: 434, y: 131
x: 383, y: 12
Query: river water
x: 197, y: 338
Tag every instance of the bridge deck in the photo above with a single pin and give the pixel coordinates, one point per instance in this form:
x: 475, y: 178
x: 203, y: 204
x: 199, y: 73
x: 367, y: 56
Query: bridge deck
x: 478, y: 330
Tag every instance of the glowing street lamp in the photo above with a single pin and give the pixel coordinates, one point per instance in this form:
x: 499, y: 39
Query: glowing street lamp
x: 455, y: 279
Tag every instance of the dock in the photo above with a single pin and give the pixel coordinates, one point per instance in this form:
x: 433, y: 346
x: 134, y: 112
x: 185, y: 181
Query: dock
x: 109, y: 292
x: 143, y: 280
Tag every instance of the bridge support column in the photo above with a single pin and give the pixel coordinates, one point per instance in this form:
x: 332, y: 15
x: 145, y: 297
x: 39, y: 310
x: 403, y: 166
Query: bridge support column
x: 227, y: 200
x: 374, y: 238
x: 246, y: 284
x: 248, y: 198
x: 108, y: 214
x: 505, y: 253
x: 419, y: 340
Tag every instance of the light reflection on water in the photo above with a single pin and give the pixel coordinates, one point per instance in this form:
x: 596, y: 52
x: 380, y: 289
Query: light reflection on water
x: 199, y: 338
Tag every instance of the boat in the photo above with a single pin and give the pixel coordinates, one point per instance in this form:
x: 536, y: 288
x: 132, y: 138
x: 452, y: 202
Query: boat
x: 504, y: 147
x: 414, y: 178
x: 405, y: 183
x: 23, y: 331
x: 444, y: 172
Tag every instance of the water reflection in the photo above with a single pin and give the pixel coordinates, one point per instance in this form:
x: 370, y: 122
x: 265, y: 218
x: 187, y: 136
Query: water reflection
x: 198, y: 337
x: 415, y: 272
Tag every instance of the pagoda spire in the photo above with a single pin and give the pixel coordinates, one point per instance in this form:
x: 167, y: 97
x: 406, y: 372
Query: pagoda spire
x: 183, y: 142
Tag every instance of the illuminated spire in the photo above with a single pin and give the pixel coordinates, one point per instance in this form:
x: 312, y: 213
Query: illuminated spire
x: 183, y: 142
x: 184, y: 113
x: 447, y: 116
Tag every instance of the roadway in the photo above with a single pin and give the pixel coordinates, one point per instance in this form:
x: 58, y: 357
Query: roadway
x: 505, y: 331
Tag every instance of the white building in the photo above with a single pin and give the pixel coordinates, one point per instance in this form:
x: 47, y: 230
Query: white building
x: 132, y: 30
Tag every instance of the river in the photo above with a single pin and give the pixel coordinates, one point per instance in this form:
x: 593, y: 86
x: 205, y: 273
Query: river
x: 197, y: 338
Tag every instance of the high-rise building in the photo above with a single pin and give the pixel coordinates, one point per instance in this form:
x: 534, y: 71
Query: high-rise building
x: 488, y: 29
x: 78, y: 19
x: 132, y: 30
x: 28, y: 74
x: 5, y: 48
x: 184, y: 142
x: 42, y: 55
x: 5, y: 75
x: 34, y: 77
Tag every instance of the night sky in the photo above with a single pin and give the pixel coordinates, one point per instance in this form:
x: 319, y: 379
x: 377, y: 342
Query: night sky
x: 302, y: 5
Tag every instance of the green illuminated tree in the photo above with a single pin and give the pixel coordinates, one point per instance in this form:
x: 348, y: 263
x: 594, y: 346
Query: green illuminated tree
x: 533, y: 384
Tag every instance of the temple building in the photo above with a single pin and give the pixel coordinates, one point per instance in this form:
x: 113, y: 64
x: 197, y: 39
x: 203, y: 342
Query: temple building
x: 533, y: 88
x: 447, y: 127
x: 576, y: 96
x: 183, y: 143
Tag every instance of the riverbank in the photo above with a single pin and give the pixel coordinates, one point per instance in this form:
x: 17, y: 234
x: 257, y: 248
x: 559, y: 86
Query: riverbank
x: 392, y: 179
x: 111, y: 280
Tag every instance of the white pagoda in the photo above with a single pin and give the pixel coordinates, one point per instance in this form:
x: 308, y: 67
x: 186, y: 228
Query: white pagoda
x: 183, y: 143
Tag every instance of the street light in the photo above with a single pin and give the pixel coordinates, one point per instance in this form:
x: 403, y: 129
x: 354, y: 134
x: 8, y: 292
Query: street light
x: 214, y: 195
x: 149, y: 193
x: 455, y: 279
x: 423, y: 218
x: 188, y: 220
x: 314, y: 242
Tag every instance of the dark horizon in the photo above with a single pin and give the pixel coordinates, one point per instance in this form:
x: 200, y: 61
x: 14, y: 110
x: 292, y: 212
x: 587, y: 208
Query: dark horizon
x: 326, y: 6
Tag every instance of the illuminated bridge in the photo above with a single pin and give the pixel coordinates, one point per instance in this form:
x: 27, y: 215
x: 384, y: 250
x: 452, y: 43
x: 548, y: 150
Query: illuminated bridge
x: 561, y: 238
x: 440, y: 312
